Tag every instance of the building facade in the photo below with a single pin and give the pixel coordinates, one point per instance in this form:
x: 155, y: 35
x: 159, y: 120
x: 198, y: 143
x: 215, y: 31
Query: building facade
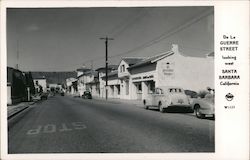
x: 40, y: 84
x: 19, y: 86
x: 135, y: 78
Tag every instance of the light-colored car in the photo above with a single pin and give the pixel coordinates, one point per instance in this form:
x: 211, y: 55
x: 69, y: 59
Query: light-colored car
x: 204, y: 107
x: 36, y: 97
x: 166, y: 97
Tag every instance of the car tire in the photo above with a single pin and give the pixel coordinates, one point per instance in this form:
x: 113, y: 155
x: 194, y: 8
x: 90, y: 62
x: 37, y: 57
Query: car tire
x: 145, y: 104
x: 197, y: 112
x: 162, y: 110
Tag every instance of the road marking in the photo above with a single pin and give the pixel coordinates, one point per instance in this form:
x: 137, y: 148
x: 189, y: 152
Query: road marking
x: 49, y: 128
x: 52, y: 128
x: 64, y: 128
x: 79, y: 125
x: 34, y: 131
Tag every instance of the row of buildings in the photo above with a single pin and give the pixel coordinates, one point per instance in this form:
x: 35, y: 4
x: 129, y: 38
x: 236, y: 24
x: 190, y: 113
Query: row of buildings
x: 135, y: 78
x: 21, y: 86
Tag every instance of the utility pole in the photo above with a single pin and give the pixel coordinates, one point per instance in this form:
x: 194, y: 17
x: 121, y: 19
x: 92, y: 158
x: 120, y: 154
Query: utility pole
x: 106, y: 60
x: 17, y: 52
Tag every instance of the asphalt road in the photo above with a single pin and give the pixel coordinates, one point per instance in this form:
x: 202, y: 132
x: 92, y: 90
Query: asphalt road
x: 75, y: 125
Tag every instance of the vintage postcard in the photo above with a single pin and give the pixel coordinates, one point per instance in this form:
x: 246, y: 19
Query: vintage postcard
x: 125, y: 80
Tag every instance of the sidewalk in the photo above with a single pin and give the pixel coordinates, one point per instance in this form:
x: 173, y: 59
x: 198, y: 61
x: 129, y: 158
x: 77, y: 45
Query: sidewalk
x: 14, y: 109
x: 137, y: 103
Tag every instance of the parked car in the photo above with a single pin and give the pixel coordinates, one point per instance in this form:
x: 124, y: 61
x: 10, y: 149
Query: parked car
x: 204, y: 107
x: 36, y: 97
x: 87, y: 95
x: 62, y: 93
x: 167, y: 97
x: 44, y: 96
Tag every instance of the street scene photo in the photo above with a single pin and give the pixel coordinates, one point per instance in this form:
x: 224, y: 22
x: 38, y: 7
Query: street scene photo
x: 110, y: 80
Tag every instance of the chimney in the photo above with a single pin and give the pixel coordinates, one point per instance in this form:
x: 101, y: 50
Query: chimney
x: 175, y: 48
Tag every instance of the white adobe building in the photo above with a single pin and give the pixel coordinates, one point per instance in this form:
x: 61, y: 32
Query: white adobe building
x: 102, y: 81
x: 69, y: 85
x: 83, y: 81
x: 92, y: 83
x: 125, y: 76
x: 113, y: 87
x: 40, y: 82
x: 138, y: 77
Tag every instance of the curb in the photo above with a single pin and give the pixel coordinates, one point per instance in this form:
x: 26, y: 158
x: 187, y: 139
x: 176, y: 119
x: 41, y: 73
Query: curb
x: 119, y: 102
x: 16, y: 111
x: 19, y: 109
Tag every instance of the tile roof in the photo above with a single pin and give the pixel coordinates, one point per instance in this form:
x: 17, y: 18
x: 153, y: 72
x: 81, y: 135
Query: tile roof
x: 111, y: 74
x: 152, y: 59
x: 132, y: 60
x: 110, y: 67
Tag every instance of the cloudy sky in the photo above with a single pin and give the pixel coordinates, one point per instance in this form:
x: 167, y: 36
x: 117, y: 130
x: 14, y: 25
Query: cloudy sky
x: 64, y: 39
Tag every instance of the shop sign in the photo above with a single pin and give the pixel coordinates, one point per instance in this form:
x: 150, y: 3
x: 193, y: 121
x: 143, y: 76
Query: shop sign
x: 147, y: 77
x: 168, y: 69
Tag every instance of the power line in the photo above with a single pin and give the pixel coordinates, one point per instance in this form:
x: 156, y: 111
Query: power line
x: 165, y: 35
x: 168, y: 34
x: 131, y: 22
x: 161, y: 37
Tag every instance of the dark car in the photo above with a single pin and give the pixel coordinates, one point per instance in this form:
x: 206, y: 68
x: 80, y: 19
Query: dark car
x: 62, y: 93
x: 87, y: 95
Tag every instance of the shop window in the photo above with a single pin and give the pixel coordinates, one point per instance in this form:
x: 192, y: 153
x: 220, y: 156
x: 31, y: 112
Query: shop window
x: 139, y: 88
x: 127, y: 87
x: 118, y: 89
x: 151, y: 87
x: 158, y: 91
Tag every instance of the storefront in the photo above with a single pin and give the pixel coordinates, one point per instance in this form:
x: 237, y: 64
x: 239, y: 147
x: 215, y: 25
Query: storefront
x: 113, y: 88
x: 170, y: 69
x: 136, y: 78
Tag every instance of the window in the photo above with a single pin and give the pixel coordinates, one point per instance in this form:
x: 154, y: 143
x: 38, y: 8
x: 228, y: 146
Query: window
x: 127, y: 87
x: 175, y: 90
x: 139, y: 88
x: 118, y: 89
x: 122, y: 68
x: 158, y: 91
x: 151, y: 86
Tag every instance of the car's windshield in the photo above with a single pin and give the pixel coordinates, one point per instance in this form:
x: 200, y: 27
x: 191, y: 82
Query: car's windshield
x: 175, y: 90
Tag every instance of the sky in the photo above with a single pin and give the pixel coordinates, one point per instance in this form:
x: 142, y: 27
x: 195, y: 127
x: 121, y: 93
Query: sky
x: 64, y: 39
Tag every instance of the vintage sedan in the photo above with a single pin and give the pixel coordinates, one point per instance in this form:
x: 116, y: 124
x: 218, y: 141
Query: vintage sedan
x: 87, y: 95
x: 204, y: 107
x: 167, y: 97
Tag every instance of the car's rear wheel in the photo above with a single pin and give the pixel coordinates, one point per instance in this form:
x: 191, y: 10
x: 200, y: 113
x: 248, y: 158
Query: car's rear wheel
x: 162, y: 110
x: 198, y: 112
x: 145, y: 104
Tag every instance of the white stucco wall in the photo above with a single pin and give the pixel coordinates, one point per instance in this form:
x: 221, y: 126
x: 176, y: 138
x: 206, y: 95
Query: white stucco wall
x: 125, y: 73
x: 9, y: 101
x: 41, y: 82
x: 191, y: 73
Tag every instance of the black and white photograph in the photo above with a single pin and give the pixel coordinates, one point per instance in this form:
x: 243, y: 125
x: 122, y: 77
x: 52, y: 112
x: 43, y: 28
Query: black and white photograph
x: 110, y: 80
x: 116, y: 79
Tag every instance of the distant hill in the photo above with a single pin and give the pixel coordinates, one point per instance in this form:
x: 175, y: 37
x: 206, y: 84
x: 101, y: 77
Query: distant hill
x: 54, y: 77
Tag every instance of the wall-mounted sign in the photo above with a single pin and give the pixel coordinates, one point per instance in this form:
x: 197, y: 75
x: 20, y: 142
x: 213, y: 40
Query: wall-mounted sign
x: 146, y: 77
x: 168, y: 69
